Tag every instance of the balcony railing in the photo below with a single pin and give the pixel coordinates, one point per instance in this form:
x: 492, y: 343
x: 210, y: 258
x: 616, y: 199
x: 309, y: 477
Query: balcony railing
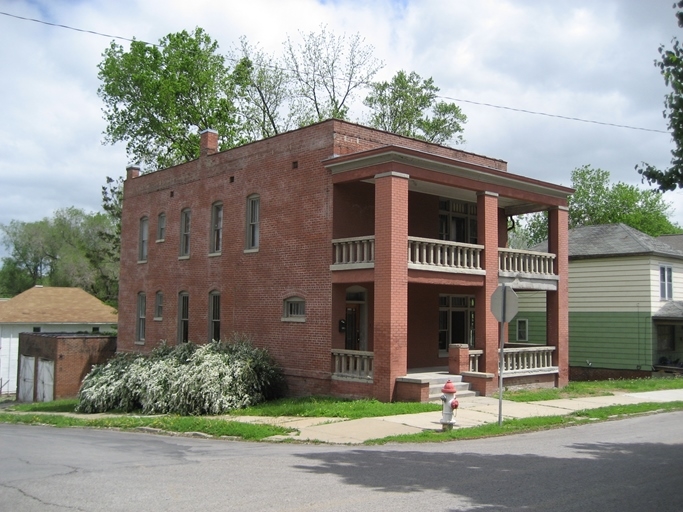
x: 352, y: 365
x: 528, y: 360
x: 526, y: 262
x: 357, y: 252
x: 444, y: 256
x: 474, y: 359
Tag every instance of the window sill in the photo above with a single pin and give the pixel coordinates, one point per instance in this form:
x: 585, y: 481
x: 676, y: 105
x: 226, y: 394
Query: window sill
x: 139, y: 342
x: 300, y: 319
x: 141, y: 262
x: 214, y: 254
x: 255, y: 249
x: 160, y: 240
x: 157, y: 319
x: 184, y: 257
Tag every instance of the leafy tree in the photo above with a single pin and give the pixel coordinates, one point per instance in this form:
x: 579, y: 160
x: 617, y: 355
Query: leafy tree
x: 671, y: 68
x: 158, y: 98
x: 264, y: 99
x: 13, y: 279
x: 31, y: 249
x: 596, y: 201
x: 404, y: 105
x: 327, y: 71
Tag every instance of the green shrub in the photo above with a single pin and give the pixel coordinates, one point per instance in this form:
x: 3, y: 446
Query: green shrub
x: 187, y: 379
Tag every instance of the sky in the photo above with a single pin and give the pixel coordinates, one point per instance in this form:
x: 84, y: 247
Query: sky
x: 584, y: 59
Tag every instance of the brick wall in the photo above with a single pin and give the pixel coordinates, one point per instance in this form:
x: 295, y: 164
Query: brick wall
x: 73, y: 355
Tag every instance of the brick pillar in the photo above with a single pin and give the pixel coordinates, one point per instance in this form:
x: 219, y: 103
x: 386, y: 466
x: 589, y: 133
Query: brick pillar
x: 557, y: 303
x: 391, y: 283
x: 486, y: 325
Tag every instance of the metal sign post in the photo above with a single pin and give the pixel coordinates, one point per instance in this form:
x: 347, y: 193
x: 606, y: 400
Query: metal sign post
x: 504, y: 306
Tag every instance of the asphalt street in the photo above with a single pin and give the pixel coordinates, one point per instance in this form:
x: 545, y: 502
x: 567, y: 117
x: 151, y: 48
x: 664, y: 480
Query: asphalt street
x: 634, y: 464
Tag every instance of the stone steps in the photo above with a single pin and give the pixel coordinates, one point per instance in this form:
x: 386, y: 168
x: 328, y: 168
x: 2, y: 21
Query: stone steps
x: 437, y: 380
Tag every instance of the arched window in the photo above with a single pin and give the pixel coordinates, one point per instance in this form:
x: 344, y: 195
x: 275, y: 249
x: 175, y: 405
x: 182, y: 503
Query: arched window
x: 294, y: 310
x: 216, y: 227
x: 143, y: 239
x: 183, y: 317
x: 141, y: 317
x: 214, y: 316
x: 253, y: 217
x: 185, y: 232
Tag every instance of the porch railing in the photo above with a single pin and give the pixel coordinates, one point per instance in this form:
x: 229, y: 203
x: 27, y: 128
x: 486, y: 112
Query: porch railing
x: 443, y: 256
x: 526, y: 262
x: 474, y: 359
x: 528, y: 360
x: 358, y: 252
x: 352, y: 364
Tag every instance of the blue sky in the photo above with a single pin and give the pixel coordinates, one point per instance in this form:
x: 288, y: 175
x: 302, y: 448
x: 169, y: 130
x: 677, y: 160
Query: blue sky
x: 583, y: 59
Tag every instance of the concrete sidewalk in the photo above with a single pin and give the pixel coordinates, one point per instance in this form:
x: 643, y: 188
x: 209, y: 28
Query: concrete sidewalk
x: 473, y: 411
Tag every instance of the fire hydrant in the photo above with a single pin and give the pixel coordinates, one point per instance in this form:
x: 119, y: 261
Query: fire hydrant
x: 450, y: 404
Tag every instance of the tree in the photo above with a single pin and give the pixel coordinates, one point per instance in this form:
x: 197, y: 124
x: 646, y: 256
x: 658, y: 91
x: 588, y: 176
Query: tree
x: 671, y: 68
x: 327, y: 71
x: 158, y: 98
x: 404, y: 105
x: 265, y: 94
x: 595, y: 201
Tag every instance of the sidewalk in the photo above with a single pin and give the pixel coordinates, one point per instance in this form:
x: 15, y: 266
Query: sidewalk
x: 473, y: 411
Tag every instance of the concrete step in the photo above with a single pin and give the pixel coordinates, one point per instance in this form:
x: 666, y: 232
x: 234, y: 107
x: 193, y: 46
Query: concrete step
x: 437, y: 380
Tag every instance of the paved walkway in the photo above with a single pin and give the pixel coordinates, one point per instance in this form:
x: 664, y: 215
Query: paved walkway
x: 473, y: 411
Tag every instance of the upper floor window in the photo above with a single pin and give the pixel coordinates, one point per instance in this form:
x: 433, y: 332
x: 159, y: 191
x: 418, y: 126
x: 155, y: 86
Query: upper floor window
x: 144, y: 238
x: 666, y: 287
x: 159, y: 306
x: 457, y: 221
x: 294, y: 310
x: 185, y: 232
x: 214, y: 316
x: 161, y: 226
x: 140, y: 326
x: 183, y: 317
x: 216, y: 227
x: 253, y: 205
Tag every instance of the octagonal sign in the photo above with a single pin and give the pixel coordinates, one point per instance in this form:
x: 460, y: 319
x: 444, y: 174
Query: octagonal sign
x: 504, y: 303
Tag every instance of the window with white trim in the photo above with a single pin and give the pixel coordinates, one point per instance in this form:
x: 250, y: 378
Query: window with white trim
x: 183, y: 317
x: 216, y: 227
x: 214, y: 316
x: 522, y: 329
x: 294, y: 310
x: 161, y: 227
x: 253, y: 216
x: 666, y: 287
x: 158, y: 306
x: 143, y: 239
x: 457, y: 221
x: 456, y: 321
x: 142, y: 317
x: 185, y: 216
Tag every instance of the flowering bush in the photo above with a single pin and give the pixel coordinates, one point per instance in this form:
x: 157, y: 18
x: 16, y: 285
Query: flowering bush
x: 187, y: 379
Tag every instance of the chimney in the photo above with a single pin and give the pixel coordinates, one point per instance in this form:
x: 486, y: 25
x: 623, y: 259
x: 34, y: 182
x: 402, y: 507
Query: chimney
x: 132, y: 171
x: 208, y: 142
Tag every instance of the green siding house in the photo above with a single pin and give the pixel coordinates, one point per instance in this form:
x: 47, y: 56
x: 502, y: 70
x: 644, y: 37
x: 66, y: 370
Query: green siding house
x: 625, y: 303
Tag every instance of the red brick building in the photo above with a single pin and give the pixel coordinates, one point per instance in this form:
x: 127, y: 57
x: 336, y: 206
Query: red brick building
x: 351, y: 254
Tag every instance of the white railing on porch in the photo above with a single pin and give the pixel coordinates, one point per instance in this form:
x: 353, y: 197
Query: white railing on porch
x: 357, y: 251
x: 474, y: 359
x: 528, y: 360
x: 443, y: 256
x: 527, y: 262
x: 352, y: 364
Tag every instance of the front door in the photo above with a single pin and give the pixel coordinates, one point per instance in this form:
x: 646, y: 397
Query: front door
x: 352, y: 327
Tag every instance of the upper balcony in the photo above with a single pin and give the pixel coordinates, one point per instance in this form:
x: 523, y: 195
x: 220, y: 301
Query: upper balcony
x: 520, y: 269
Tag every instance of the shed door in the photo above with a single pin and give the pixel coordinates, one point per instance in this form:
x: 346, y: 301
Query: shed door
x: 26, y: 373
x: 46, y: 379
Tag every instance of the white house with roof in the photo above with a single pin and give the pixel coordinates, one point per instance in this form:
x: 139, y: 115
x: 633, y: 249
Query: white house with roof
x: 47, y: 309
x: 625, y: 303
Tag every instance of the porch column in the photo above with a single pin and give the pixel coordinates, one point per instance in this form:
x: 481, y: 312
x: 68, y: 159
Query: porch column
x: 391, y: 283
x: 557, y: 302
x: 486, y: 325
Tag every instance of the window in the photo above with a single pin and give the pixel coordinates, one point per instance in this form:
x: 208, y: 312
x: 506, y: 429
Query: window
x: 161, y: 226
x: 457, y: 221
x: 253, y: 222
x: 456, y: 321
x: 159, y: 306
x: 294, y: 310
x: 522, y: 329
x: 214, y: 316
x: 95, y: 330
x: 183, y: 317
x: 185, y: 232
x: 216, y: 227
x: 36, y: 329
x: 666, y: 338
x: 144, y: 237
x: 666, y: 287
x: 140, y: 327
